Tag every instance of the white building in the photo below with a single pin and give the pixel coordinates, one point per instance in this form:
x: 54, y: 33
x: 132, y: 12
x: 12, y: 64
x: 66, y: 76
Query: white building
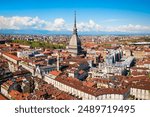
x: 86, y: 93
x: 140, y: 94
x: 25, y: 54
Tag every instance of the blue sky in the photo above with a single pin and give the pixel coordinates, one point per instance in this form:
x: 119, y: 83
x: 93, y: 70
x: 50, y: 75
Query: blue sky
x: 92, y: 15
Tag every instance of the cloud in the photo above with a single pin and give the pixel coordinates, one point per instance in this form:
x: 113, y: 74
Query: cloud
x: 92, y: 26
x: 128, y: 28
x: 17, y: 22
x: 59, y: 24
x: 89, y: 26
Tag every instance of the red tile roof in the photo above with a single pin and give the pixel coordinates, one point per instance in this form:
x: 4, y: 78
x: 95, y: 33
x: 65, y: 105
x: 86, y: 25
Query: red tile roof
x: 2, y: 97
x: 53, y: 92
x: 89, y: 84
x: 55, y: 73
x: 73, y: 82
x: 12, y: 56
x: 17, y: 95
x: 147, y: 50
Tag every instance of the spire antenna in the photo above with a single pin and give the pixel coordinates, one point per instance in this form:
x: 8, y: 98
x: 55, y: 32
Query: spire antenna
x: 75, y: 26
x: 74, y: 19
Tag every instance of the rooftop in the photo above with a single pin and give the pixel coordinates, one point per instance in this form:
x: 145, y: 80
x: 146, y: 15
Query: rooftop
x: 12, y: 56
x: 2, y: 97
x: 55, y: 73
x: 75, y: 83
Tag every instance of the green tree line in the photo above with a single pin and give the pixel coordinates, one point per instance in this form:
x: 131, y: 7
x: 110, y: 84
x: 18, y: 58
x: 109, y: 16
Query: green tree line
x: 40, y: 44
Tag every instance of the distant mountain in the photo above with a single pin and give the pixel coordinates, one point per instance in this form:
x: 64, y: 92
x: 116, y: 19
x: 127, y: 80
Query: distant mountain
x: 45, y: 32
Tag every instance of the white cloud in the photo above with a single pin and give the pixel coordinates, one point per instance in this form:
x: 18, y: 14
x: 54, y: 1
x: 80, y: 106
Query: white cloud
x: 128, y: 28
x: 59, y: 24
x: 7, y: 23
x: 17, y: 22
x: 89, y: 26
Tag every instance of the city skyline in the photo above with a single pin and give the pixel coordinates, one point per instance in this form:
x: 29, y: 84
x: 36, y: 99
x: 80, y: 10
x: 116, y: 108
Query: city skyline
x: 92, y: 16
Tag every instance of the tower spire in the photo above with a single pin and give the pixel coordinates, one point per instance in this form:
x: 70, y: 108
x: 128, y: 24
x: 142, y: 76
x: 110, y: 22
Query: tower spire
x: 75, y: 43
x: 75, y: 26
x: 74, y: 19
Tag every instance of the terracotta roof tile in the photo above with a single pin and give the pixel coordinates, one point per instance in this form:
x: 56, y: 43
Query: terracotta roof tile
x: 12, y: 56
x: 2, y: 97
x: 55, y: 73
